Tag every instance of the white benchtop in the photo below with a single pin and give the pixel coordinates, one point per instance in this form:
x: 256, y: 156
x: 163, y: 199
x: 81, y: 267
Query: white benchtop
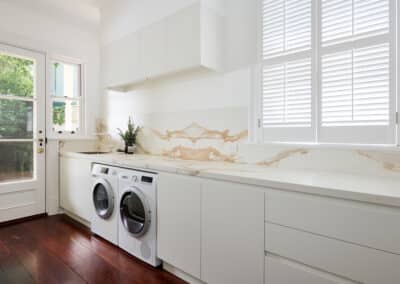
x: 372, y: 189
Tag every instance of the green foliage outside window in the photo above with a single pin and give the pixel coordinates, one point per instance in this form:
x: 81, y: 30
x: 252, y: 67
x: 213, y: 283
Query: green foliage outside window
x: 16, y: 79
x: 58, y: 113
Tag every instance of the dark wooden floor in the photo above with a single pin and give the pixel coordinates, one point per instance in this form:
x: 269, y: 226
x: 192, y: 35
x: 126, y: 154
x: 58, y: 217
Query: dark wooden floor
x: 55, y: 250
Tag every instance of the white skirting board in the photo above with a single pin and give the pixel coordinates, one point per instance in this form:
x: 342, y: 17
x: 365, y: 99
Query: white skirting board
x: 180, y: 274
x: 76, y: 218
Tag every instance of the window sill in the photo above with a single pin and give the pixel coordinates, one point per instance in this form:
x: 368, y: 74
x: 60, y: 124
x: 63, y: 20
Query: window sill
x: 71, y: 137
x: 332, y: 146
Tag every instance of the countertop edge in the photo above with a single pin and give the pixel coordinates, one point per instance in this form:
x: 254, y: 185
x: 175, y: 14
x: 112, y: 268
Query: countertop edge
x: 366, y: 197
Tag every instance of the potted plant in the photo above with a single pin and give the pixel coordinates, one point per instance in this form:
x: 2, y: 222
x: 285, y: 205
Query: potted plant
x: 129, y: 136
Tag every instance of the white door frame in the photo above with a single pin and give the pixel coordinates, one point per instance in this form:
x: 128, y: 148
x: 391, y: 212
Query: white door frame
x: 23, y: 198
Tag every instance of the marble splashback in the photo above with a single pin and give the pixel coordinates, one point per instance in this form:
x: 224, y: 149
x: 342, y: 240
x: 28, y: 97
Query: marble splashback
x: 221, y: 135
x: 348, y: 160
x: 210, y: 136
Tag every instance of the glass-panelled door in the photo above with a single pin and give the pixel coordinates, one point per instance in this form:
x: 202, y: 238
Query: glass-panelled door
x: 22, y: 133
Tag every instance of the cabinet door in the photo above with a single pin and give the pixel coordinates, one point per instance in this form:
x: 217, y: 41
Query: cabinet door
x: 283, y: 271
x: 179, y: 222
x: 153, y: 49
x: 232, y: 233
x: 122, y: 61
x: 183, y: 39
x: 76, y: 186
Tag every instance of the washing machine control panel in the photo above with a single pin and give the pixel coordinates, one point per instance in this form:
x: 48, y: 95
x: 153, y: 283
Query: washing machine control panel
x: 147, y: 179
x: 102, y: 170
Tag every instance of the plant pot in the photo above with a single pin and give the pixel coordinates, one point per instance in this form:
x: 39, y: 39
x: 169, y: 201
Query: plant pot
x: 130, y: 149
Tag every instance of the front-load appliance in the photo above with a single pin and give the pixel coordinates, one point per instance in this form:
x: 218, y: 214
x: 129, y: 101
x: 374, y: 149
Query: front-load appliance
x: 104, y: 221
x: 138, y: 214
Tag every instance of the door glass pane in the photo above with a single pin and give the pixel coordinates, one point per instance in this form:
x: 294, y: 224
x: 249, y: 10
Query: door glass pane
x: 16, y: 76
x: 65, y: 80
x: 16, y: 119
x: 133, y: 213
x: 66, y: 115
x: 16, y: 161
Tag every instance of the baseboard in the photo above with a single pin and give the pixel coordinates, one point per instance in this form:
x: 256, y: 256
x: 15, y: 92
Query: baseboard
x: 180, y: 274
x: 21, y: 220
x: 75, y: 218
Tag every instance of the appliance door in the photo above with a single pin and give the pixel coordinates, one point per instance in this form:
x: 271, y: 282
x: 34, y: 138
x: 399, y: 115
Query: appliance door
x: 103, y: 198
x: 135, y: 212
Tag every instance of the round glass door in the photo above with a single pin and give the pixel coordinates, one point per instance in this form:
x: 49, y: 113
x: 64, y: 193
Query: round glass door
x: 103, y: 200
x: 134, y: 213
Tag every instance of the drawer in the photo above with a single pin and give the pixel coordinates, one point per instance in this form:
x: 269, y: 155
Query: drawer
x: 350, y: 261
x: 279, y: 270
x: 361, y: 223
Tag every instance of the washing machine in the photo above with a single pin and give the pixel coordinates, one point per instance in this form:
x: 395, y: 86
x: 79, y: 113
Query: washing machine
x: 138, y: 215
x: 104, y: 221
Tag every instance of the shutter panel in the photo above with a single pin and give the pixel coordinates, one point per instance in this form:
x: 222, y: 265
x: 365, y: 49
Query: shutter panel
x: 286, y: 74
x: 346, y: 19
x: 287, y: 94
x: 286, y: 26
x: 356, y: 73
x: 356, y: 87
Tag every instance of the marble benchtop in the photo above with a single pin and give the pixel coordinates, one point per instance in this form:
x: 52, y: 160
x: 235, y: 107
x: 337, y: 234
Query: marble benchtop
x: 371, y: 189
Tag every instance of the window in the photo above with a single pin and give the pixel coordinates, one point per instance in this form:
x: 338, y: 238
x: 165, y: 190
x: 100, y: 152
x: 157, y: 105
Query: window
x: 66, y: 97
x: 328, y: 71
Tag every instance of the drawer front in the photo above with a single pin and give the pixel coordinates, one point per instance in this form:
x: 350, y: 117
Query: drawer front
x: 350, y: 261
x: 361, y: 223
x: 282, y: 271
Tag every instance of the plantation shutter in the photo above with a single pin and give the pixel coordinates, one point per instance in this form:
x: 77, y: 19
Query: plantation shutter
x: 286, y: 75
x: 357, y: 102
x: 329, y: 71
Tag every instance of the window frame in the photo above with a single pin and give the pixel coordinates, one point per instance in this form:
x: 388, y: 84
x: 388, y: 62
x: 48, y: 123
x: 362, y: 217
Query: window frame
x: 81, y: 99
x: 257, y: 133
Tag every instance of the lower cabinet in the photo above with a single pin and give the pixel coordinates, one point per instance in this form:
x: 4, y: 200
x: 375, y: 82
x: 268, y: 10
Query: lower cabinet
x: 281, y: 271
x: 232, y: 233
x: 211, y: 230
x: 318, y: 239
x: 178, y: 204
x: 76, y: 186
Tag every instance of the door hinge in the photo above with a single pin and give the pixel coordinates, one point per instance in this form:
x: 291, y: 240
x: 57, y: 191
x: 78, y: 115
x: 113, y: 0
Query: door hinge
x: 259, y: 123
x: 397, y: 117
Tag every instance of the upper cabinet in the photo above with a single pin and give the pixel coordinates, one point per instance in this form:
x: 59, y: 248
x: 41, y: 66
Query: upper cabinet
x: 187, y: 40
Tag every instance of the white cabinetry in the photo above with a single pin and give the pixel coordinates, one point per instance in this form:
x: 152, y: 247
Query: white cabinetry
x: 211, y: 230
x: 122, y: 61
x: 336, y: 240
x: 189, y: 39
x: 179, y: 222
x: 76, y: 186
x: 153, y: 51
x: 283, y: 271
x: 232, y: 233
